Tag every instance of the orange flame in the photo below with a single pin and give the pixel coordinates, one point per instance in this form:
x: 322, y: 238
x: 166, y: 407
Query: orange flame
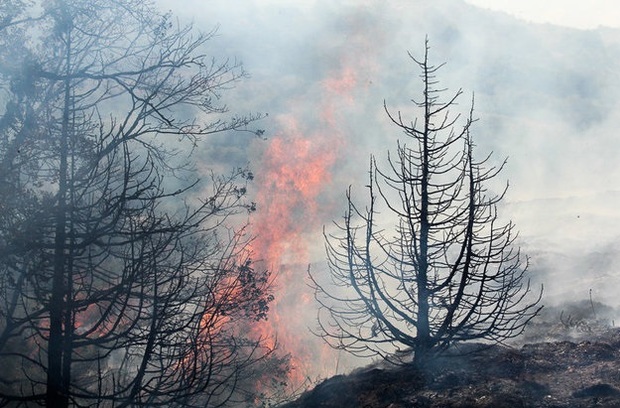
x: 294, y: 174
x: 296, y: 169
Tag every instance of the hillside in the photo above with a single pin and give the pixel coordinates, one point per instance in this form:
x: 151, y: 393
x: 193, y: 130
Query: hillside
x: 547, y: 97
x: 550, y: 374
x: 578, y: 365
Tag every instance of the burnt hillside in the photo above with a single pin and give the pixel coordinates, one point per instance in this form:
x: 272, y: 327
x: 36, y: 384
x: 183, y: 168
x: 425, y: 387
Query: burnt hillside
x: 580, y: 368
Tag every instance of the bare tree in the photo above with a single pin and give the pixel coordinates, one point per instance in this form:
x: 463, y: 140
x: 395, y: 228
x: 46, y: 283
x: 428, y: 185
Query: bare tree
x: 448, y: 270
x: 122, y: 284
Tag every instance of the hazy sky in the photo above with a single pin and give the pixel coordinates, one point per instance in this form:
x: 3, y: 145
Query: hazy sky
x: 571, y: 13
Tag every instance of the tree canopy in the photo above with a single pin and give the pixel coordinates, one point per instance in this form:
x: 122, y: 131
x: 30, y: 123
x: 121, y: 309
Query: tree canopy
x: 124, y: 278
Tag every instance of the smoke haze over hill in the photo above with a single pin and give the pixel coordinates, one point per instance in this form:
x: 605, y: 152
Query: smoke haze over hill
x: 546, y: 96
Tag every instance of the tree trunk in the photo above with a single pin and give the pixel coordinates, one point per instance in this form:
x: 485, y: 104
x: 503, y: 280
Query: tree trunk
x: 423, y: 328
x: 57, y: 385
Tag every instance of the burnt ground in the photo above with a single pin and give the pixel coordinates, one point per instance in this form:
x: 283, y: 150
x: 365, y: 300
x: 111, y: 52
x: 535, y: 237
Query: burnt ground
x: 579, y: 368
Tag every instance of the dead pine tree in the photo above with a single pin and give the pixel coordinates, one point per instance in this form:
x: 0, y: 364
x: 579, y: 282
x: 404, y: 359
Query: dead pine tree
x: 426, y: 262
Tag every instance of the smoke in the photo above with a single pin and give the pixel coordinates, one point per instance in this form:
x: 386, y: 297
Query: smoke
x: 570, y: 13
x: 546, y: 97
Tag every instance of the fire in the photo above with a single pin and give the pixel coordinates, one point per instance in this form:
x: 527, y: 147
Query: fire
x: 294, y: 179
x: 296, y: 170
x: 344, y: 84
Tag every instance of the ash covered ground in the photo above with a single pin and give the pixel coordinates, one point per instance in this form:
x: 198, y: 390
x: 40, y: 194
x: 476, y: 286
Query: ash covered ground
x: 569, y: 357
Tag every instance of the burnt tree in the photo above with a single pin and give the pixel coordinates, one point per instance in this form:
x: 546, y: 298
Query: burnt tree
x: 125, y: 280
x: 447, y: 269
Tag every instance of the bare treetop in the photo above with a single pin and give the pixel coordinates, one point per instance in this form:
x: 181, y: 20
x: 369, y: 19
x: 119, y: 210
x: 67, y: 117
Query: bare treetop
x: 448, y: 269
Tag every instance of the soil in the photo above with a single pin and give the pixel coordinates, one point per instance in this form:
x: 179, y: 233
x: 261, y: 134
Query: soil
x: 580, y: 370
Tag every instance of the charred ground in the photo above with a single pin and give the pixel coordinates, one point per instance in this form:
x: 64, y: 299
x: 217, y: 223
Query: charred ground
x: 574, y: 362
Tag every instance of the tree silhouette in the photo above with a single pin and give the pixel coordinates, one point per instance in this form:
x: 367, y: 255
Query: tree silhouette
x: 123, y: 279
x: 447, y: 271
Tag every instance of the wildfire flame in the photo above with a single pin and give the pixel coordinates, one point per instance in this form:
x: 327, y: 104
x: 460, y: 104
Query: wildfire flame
x: 296, y: 169
x: 293, y: 178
